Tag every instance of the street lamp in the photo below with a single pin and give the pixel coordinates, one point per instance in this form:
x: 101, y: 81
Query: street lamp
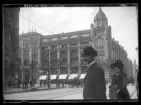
x: 32, y: 67
x: 49, y: 75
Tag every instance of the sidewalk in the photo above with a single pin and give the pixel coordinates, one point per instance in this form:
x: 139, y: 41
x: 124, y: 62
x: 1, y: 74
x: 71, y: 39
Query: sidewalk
x: 35, y: 88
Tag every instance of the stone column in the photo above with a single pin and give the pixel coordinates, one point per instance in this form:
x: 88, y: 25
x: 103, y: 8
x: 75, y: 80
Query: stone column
x: 68, y: 54
x: 49, y: 71
x: 58, y: 60
x: 22, y: 74
x: 30, y: 59
x: 58, y: 65
x: 38, y: 46
x: 39, y: 60
x: 79, y: 59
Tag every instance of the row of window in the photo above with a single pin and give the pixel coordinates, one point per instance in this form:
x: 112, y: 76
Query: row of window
x: 66, y: 37
x: 62, y: 46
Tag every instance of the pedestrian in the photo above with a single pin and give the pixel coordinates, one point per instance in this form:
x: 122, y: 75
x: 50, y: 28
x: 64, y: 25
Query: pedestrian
x: 120, y: 81
x: 94, y: 81
x: 26, y: 81
x: 30, y: 83
x: 44, y: 81
x: 137, y: 85
x: 23, y: 85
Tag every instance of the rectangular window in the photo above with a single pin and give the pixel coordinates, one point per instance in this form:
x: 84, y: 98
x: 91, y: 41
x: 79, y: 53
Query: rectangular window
x: 73, y: 44
x: 45, y: 48
x: 63, y: 46
x: 54, y: 47
x: 63, y: 38
x: 74, y: 36
x: 85, y: 35
x: 54, y: 39
x: 84, y: 42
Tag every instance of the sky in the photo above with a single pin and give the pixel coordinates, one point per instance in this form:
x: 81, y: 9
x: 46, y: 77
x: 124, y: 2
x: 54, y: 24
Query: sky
x: 53, y: 20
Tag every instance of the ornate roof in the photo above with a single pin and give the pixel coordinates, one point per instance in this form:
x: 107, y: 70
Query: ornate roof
x: 100, y: 15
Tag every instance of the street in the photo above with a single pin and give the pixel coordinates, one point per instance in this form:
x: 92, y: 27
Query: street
x: 59, y: 94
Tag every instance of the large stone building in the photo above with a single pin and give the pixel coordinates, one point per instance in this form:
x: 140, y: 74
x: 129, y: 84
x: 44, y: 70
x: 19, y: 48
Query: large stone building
x: 60, y: 54
x: 11, y: 42
x: 29, y: 54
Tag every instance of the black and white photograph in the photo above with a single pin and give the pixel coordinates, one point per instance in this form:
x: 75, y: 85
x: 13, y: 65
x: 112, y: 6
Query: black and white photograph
x: 70, y: 53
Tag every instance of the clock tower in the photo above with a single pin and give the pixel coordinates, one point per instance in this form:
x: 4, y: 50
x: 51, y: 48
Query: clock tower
x: 101, y: 40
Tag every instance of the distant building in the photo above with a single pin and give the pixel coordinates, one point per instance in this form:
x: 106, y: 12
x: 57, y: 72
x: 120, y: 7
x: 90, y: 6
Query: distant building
x: 130, y: 68
x: 135, y: 70
x: 29, y: 54
x: 118, y: 52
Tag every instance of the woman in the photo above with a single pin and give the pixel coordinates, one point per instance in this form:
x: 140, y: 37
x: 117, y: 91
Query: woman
x: 120, y: 81
x: 112, y: 88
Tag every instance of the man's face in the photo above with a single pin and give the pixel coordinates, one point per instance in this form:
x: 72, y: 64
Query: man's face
x: 88, y: 59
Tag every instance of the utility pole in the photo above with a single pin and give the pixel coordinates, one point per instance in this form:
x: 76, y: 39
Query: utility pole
x: 32, y: 71
x: 49, y: 70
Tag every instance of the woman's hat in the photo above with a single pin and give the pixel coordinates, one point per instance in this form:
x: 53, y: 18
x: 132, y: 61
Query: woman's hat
x: 89, y: 51
x: 118, y: 63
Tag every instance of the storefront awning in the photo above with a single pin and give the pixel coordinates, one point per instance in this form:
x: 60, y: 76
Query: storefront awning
x: 43, y: 77
x: 72, y: 76
x: 63, y: 76
x: 82, y: 76
x: 52, y: 77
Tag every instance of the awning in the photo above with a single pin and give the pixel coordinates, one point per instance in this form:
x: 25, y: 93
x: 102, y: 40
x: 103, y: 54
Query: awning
x: 52, y: 77
x: 72, y: 76
x: 63, y: 76
x: 82, y: 76
x: 43, y: 77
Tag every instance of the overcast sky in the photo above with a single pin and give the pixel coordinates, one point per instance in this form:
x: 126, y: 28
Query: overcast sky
x: 123, y: 22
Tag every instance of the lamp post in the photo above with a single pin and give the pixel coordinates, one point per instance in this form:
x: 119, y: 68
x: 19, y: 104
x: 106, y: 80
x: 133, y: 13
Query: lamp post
x: 32, y: 67
x: 49, y: 75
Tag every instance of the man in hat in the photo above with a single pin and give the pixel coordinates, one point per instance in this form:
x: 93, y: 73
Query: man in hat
x: 94, y: 81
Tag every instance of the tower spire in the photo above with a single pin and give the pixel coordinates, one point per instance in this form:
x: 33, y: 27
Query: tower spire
x: 100, y: 8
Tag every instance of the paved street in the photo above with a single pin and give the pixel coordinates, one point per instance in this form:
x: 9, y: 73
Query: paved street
x: 57, y: 94
x: 43, y: 95
x: 37, y: 86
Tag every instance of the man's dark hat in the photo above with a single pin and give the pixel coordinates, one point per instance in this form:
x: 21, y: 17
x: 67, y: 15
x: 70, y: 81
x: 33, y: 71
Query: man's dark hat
x: 118, y: 63
x: 89, y: 51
